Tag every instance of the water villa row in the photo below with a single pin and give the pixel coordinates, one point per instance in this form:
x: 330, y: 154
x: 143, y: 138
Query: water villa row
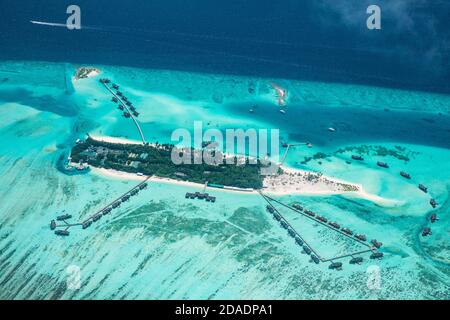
x: 200, y: 196
x: 124, y: 104
x: 334, y: 225
x: 307, y: 249
x: 64, y: 231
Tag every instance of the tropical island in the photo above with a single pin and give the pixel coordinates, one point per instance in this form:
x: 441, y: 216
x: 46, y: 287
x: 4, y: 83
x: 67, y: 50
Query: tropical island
x: 86, y: 72
x: 155, y: 159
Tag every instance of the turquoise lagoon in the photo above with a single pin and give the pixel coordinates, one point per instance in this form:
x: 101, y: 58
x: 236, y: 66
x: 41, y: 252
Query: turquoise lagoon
x: 160, y: 246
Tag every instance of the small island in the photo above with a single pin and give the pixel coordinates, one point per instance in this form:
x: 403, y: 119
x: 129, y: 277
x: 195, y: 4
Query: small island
x: 155, y: 159
x: 86, y: 72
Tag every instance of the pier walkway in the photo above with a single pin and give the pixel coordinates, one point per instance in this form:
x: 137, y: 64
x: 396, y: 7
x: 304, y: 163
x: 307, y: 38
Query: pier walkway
x: 94, y: 217
x: 128, y: 110
x: 370, y: 248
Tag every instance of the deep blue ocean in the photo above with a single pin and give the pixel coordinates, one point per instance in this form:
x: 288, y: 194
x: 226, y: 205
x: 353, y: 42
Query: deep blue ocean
x: 302, y: 39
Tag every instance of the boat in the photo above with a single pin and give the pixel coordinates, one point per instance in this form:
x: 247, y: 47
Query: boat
x: 282, y: 111
x: 405, y: 175
x: 433, y: 218
x: 361, y: 237
x: 376, y: 255
x: 356, y: 260
x: 63, y: 233
x: 423, y: 188
x: 309, y: 145
x: 335, y: 266
x: 347, y: 231
x: 376, y: 243
x: 357, y: 157
x: 426, y: 232
x: 315, y: 259
x: 433, y: 203
x: 53, y: 225
x: 382, y: 164
x: 332, y: 129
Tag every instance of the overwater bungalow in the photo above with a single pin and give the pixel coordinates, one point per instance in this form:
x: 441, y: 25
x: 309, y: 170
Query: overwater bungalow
x: 291, y: 233
x: 116, y: 204
x: 297, y: 206
x: 270, y: 209
x: 63, y: 217
x: 120, y: 94
x: 405, y: 175
x: 356, y: 260
x: 334, y: 225
x: 53, y: 225
x: 382, y: 164
x: 128, y: 103
x: 86, y: 224
x: 433, y: 203
x: 335, y: 266
x: 315, y: 259
x: 423, y: 188
x: 277, y: 217
x: 96, y: 217
x: 376, y: 244
x: 64, y: 233
x: 114, y: 99
x: 376, y: 255
x: 131, y: 107
x: 284, y: 224
x: 306, y: 249
x: 433, y: 218
x: 120, y: 107
x: 347, y: 231
x: 323, y: 219
x: 361, y: 237
x: 106, y: 211
x: 310, y: 213
x: 143, y: 186
x: 299, y: 241
x: 105, y: 80
x: 126, y: 114
x: 426, y: 232
x: 125, y: 198
x: 115, y: 86
x: 357, y: 157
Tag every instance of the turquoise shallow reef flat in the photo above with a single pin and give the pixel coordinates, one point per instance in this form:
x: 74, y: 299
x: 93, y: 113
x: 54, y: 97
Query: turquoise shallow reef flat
x: 162, y: 246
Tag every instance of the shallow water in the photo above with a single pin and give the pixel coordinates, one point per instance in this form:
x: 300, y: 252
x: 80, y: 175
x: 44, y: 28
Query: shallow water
x: 160, y: 245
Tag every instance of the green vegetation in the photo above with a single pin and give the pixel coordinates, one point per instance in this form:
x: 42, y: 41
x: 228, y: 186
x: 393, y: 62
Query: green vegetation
x: 156, y: 160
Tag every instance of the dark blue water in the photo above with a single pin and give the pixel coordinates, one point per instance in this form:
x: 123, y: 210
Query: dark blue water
x: 354, y: 125
x: 313, y: 40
